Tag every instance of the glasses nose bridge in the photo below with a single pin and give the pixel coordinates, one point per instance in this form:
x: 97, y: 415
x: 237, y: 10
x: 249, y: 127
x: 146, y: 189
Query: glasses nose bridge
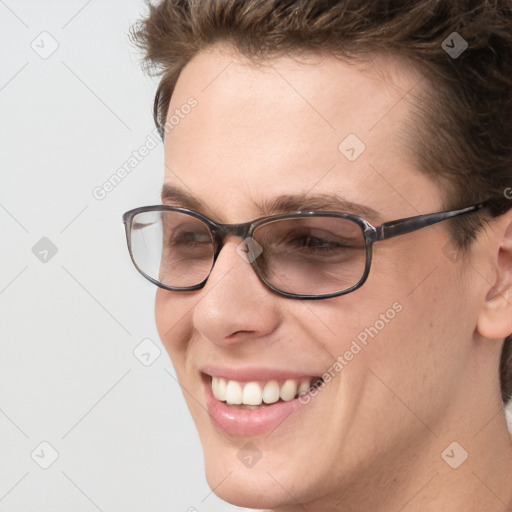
x: 221, y: 231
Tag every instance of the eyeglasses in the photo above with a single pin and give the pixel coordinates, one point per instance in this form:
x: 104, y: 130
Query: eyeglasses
x: 301, y: 255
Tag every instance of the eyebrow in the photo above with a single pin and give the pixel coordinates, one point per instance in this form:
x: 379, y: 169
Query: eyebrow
x: 282, y: 204
x: 176, y: 196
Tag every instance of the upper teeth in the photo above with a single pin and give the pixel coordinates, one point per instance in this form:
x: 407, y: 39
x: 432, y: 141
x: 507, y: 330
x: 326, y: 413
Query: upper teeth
x: 254, y: 393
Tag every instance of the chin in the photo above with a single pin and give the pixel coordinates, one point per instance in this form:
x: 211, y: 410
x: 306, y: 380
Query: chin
x: 258, y: 487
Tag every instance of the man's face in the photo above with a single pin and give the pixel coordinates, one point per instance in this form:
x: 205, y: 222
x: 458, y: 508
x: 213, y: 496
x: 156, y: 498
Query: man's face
x: 261, y: 132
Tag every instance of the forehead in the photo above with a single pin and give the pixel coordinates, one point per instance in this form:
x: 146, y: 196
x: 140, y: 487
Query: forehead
x: 290, y: 124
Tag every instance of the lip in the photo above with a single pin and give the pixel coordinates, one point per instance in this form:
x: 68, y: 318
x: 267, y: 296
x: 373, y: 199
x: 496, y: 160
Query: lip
x: 248, y: 422
x: 251, y: 374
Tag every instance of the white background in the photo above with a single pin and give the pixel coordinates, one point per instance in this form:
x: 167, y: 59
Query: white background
x: 69, y: 326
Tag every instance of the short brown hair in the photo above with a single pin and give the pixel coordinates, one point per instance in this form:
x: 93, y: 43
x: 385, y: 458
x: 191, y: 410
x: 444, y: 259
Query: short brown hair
x: 464, y: 135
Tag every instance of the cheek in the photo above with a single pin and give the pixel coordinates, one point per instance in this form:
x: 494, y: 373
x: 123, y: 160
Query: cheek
x: 404, y: 325
x: 172, y: 317
x: 420, y: 352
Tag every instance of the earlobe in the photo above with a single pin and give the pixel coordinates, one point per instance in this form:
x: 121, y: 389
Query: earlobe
x: 495, y: 318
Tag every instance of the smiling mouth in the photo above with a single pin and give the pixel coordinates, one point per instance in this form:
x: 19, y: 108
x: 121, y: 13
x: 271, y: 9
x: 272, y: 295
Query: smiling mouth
x: 259, y: 394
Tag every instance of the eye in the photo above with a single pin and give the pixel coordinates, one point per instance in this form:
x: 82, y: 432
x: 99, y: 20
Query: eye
x: 185, y: 235
x: 315, y: 243
x: 315, y: 240
x: 142, y: 225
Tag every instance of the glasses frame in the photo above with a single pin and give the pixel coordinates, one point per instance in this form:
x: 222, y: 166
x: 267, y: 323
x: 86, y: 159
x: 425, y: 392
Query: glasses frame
x: 219, y: 232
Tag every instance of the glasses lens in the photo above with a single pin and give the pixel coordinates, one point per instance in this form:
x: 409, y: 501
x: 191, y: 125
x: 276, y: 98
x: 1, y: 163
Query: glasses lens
x: 173, y: 248
x: 311, y: 256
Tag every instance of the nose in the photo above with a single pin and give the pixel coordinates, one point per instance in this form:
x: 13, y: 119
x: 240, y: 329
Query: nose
x: 236, y: 306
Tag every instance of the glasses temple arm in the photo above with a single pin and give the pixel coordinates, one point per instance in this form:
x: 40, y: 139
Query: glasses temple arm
x: 409, y: 224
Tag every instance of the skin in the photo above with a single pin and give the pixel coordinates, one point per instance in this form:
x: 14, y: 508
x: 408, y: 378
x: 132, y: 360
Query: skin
x: 372, y: 439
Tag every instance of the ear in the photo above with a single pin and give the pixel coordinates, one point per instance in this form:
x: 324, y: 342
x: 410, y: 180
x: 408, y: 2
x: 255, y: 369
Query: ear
x: 495, y: 317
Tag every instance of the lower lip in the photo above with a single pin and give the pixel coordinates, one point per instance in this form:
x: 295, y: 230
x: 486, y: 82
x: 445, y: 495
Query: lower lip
x: 248, y: 422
